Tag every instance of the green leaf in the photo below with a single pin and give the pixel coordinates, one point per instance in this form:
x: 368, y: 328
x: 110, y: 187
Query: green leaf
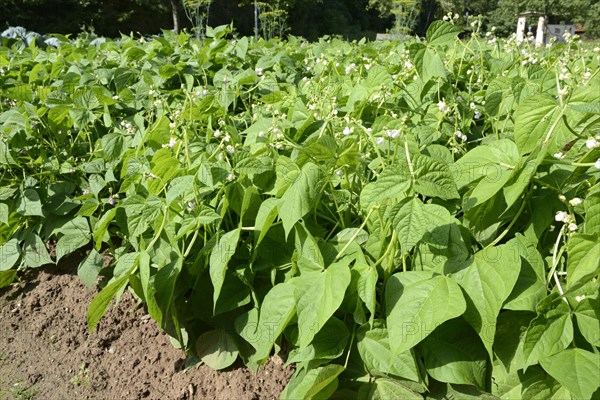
x: 533, y: 119
x: 582, y: 257
x: 67, y: 244
x: 264, y: 218
x: 219, y: 258
x: 90, y: 267
x: 415, y: 310
x: 9, y: 254
x: 374, y: 348
x: 454, y: 354
x: 101, y: 301
x: 307, y: 384
x: 587, y: 315
x: 277, y: 309
x: 592, y: 213
x: 577, y: 369
x: 550, y: 332
x: 36, y: 254
x: 328, y: 344
x: 386, y: 388
x: 300, y: 197
x: 318, y: 295
x: 7, y: 277
x: 410, y: 222
x: 433, y: 178
x: 511, y: 327
x: 309, y: 257
x: 5, y: 155
x: 485, y: 162
x: 113, y: 146
x: 487, y: 283
x: 392, y: 184
x: 217, y: 349
x: 164, y: 167
x: 442, y: 33
x: 487, y: 187
x: 29, y: 204
x: 102, y: 226
x: 530, y: 288
x: 432, y: 66
x: 367, y: 285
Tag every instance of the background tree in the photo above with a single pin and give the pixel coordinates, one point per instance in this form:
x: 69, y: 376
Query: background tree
x: 404, y: 12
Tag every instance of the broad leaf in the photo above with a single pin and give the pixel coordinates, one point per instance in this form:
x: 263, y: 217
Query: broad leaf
x: 216, y: 349
x: 219, y: 258
x: 442, y: 33
x: 374, y: 348
x: 300, y: 197
x: 487, y: 283
x: 577, y: 369
x: 533, y: 120
x: 454, y: 354
x: 415, y: 310
x: 550, y: 332
x: 318, y: 295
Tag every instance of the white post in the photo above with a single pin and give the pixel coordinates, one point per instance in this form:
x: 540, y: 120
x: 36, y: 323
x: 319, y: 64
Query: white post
x: 541, y: 28
x: 521, y: 28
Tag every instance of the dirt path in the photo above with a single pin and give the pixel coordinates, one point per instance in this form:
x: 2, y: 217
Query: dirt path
x: 47, y: 353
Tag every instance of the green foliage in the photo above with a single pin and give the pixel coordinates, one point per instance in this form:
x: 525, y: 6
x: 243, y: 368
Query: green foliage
x: 409, y: 219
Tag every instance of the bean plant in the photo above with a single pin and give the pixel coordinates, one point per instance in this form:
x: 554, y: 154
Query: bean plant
x: 401, y: 220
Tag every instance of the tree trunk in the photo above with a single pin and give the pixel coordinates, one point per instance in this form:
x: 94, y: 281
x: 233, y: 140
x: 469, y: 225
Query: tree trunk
x: 176, y: 17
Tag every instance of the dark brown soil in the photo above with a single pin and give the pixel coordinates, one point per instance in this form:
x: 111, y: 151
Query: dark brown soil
x: 47, y: 352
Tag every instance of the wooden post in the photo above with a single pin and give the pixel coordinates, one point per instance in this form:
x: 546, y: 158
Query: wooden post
x: 521, y: 28
x: 541, y: 29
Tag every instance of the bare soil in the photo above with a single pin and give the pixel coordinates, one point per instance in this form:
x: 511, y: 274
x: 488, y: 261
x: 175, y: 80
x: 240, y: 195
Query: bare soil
x: 47, y: 352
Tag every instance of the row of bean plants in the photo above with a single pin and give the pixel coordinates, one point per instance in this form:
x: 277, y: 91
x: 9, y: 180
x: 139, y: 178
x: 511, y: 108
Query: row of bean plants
x: 404, y: 220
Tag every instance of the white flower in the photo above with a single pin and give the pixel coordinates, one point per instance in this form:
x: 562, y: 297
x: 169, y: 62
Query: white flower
x: 408, y: 65
x: 562, y: 216
x: 572, y: 227
x: 191, y: 205
x: 563, y: 92
x: 559, y: 155
x: 579, y: 299
x: 230, y: 177
x: 575, y: 201
x: 230, y: 149
x: 442, y: 106
x: 347, y: 131
x: 392, y: 133
x: 469, y: 72
x: 86, y: 191
x: 339, y: 172
x: 217, y: 133
x: 261, y: 134
x: 172, y: 142
x: 380, y: 140
x: 259, y: 71
x: 227, y: 138
x: 597, y: 164
x: 172, y: 125
x: 591, y: 143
